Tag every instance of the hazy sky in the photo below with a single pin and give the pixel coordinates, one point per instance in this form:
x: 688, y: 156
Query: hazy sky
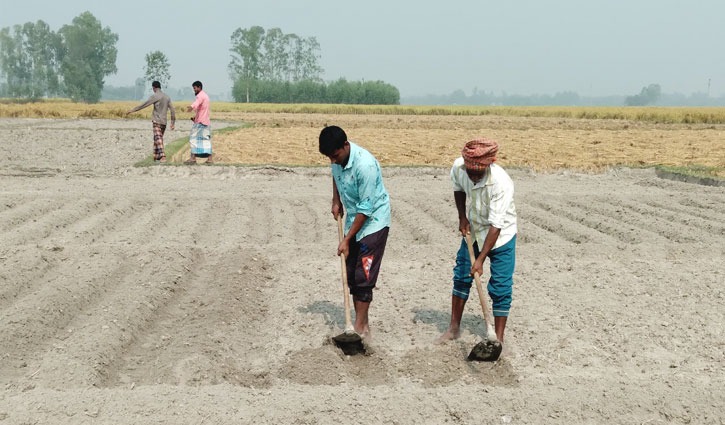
x: 604, y: 47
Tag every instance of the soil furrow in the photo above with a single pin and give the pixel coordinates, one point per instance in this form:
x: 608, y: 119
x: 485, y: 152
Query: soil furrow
x: 149, y: 273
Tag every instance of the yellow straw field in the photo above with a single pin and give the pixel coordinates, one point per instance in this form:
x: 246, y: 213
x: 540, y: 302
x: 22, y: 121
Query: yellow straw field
x: 540, y: 138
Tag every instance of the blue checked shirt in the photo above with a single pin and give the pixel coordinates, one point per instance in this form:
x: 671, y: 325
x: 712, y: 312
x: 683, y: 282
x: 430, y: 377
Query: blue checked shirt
x: 360, y: 185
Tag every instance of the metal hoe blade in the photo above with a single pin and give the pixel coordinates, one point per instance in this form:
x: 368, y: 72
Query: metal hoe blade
x: 486, y: 351
x: 350, y: 343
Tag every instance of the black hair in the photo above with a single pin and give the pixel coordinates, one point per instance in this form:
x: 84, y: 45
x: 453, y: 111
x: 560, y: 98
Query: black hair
x: 332, y: 138
x: 156, y: 85
x: 197, y: 84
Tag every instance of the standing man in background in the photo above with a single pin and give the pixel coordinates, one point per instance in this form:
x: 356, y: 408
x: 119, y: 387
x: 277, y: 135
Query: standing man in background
x: 162, y: 104
x: 200, y: 137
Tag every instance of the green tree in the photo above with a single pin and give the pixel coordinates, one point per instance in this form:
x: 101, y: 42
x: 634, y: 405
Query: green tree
x: 275, y: 58
x: 45, y: 49
x: 138, y: 88
x: 157, y: 68
x: 337, y: 91
x: 246, y: 56
x: 380, y: 93
x: 90, y: 55
x: 13, y: 63
x: 29, y: 60
x: 260, y: 55
x: 647, y: 96
x: 304, y: 59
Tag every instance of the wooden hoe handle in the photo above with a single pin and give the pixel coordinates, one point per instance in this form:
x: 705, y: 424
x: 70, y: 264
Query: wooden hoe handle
x: 487, y: 315
x: 345, y: 289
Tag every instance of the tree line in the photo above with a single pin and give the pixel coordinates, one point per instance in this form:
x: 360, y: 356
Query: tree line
x: 650, y: 95
x: 269, y: 66
x: 309, y: 91
x: 266, y: 66
x: 37, y: 62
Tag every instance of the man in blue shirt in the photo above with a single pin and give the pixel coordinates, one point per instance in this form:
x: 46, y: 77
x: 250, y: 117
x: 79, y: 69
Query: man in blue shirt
x: 357, y: 186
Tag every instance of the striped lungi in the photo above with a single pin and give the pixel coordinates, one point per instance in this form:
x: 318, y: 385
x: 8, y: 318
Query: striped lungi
x: 200, y: 139
x: 159, y: 130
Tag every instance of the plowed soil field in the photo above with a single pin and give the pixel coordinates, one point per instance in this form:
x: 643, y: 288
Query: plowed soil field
x: 208, y: 294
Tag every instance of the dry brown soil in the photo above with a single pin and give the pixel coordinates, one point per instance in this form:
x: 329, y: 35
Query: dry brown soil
x: 207, y: 294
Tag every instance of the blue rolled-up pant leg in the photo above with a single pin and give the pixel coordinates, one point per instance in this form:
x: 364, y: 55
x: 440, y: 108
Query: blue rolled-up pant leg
x: 500, y: 285
x: 501, y: 282
x: 462, y: 278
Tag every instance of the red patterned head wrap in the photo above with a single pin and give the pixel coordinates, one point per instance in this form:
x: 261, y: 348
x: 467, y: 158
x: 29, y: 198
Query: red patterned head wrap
x: 478, y: 154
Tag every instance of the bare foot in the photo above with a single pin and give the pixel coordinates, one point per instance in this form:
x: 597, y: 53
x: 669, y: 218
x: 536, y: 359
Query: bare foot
x: 448, y: 335
x: 364, y: 333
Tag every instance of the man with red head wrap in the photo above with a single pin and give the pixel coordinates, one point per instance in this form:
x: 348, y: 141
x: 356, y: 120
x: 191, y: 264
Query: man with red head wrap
x: 479, y: 154
x: 491, y: 220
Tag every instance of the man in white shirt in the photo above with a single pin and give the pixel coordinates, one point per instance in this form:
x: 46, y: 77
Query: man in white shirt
x: 491, y: 220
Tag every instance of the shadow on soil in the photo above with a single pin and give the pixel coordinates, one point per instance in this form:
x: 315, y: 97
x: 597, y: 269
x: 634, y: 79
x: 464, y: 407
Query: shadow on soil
x: 334, y: 314
x: 441, y: 320
x: 686, y: 178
